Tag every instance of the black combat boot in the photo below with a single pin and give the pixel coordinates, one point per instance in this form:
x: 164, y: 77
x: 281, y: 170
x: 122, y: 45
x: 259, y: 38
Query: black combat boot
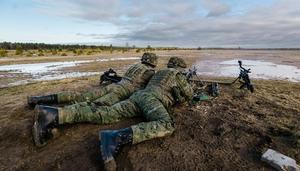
x: 48, y: 99
x: 111, y: 143
x: 46, y: 118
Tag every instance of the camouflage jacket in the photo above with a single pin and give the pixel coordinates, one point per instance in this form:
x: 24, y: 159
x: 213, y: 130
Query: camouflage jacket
x: 137, y: 76
x: 170, y: 87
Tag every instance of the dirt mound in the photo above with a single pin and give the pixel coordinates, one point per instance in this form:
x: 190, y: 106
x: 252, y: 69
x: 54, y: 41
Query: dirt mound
x: 227, y: 133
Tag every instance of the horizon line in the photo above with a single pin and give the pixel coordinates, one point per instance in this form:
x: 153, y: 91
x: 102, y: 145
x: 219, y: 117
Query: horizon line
x: 153, y: 46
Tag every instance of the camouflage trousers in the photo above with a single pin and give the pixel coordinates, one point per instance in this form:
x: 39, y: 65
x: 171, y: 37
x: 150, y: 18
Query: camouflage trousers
x: 107, y: 95
x: 141, y: 104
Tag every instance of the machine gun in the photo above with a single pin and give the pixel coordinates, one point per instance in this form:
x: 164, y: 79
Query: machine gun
x: 190, y: 74
x: 110, y: 76
x: 244, y: 78
x: 202, y: 87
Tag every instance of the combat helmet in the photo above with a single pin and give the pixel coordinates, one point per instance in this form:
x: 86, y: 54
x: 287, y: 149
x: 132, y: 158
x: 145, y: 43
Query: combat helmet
x: 175, y: 62
x: 150, y: 59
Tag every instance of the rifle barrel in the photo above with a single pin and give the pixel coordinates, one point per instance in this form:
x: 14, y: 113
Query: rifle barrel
x: 211, y: 81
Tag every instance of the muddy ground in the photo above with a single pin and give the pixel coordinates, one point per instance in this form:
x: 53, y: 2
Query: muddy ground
x: 193, y: 57
x: 229, y: 132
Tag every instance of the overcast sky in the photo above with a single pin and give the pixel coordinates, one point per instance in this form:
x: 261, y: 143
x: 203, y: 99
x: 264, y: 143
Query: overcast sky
x: 185, y: 23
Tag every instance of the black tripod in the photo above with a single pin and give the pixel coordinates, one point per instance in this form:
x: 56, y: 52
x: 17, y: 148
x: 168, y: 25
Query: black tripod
x: 244, y: 78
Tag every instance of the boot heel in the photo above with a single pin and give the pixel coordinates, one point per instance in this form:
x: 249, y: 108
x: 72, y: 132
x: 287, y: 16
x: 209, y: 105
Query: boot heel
x: 110, y: 165
x: 45, y: 123
x: 36, y: 137
x: 111, y: 141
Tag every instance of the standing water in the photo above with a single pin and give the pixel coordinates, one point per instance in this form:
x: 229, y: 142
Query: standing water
x: 48, y: 70
x: 259, y: 69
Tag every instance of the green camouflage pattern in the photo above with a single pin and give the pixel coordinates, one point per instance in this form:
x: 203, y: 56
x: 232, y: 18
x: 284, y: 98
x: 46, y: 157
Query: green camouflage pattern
x: 152, y: 103
x: 79, y: 112
x: 91, y: 95
x: 89, y: 112
x: 159, y: 122
x: 136, y: 77
x: 165, y: 82
x: 118, y: 93
x: 176, y: 62
x: 149, y: 58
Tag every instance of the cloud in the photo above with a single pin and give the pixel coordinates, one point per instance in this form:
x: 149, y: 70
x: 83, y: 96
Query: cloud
x: 216, y: 7
x: 104, y: 36
x: 187, y: 23
x: 81, y: 9
x: 117, y: 11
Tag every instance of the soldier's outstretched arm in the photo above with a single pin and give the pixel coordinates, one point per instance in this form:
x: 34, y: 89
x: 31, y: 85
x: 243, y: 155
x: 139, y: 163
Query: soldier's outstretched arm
x: 184, y: 87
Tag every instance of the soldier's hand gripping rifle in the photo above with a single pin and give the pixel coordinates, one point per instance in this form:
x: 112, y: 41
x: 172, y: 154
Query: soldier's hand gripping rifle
x: 110, y: 76
x: 244, y: 78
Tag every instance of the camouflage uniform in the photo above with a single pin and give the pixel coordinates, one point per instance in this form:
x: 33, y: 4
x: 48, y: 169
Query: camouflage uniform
x: 166, y: 88
x: 136, y: 77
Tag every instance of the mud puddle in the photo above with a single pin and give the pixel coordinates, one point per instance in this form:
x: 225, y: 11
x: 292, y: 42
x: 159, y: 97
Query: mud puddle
x: 259, y: 69
x: 27, y: 73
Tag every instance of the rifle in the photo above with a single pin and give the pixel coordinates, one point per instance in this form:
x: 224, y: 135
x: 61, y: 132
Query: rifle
x: 193, y: 73
x: 110, y: 76
x: 244, y: 78
x: 211, y: 88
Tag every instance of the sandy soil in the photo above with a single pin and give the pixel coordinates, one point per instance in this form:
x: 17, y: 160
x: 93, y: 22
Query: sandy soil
x: 290, y: 57
x: 226, y: 133
x: 191, y: 56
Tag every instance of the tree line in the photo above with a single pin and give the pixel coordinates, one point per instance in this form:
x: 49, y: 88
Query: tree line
x: 43, y: 46
x: 41, y: 49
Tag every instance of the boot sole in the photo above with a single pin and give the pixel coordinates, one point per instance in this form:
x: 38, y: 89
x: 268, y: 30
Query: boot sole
x: 30, y: 104
x: 109, y: 160
x: 35, y: 132
x: 110, y: 165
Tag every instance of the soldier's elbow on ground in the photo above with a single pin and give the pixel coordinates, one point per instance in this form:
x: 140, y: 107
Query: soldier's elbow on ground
x: 169, y: 127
